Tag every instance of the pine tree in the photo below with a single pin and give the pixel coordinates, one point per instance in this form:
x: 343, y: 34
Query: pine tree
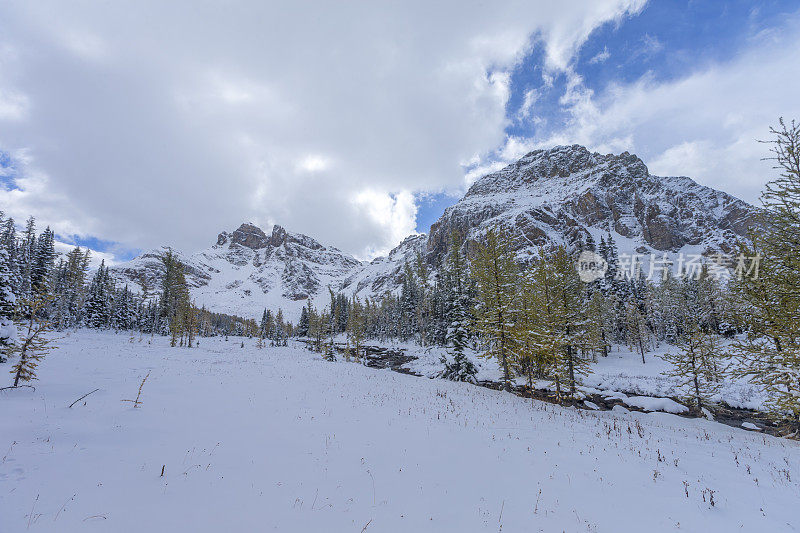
x: 494, y: 271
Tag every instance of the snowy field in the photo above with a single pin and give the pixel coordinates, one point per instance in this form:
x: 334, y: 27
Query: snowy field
x: 279, y: 439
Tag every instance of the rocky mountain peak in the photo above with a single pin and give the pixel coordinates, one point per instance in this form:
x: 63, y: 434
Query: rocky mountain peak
x: 250, y: 236
x: 278, y: 236
x: 560, y: 164
x: 566, y: 193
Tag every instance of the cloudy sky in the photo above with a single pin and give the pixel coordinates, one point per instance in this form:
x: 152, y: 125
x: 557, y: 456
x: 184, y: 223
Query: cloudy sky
x: 128, y: 125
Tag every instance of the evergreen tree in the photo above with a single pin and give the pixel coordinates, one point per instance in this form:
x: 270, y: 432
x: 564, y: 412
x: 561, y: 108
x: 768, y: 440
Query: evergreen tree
x: 8, y: 331
x: 599, y: 323
x: 569, y: 320
x: 8, y: 242
x: 280, y: 333
x: 460, y: 368
x: 26, y: 259
x: 302, y: 326
x: 637, y: 332
x: 42, y: 262
x: 98, y: 303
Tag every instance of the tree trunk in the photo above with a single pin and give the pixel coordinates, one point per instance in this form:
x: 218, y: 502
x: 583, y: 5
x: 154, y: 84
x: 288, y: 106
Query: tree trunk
x: 641, y: 349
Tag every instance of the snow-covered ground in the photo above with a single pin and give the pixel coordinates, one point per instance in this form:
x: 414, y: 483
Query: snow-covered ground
x: 279, y: 439
x: 621, y: 372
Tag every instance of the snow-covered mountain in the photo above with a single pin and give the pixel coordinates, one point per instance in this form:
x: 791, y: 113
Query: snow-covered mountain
x: 560, y: 195
x: 565, y: 193
x: 248, y: 270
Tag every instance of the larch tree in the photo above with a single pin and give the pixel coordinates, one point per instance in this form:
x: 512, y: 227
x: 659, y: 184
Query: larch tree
x: 495, y: 274
x: 637, y: 332
x: 356, y: 326
x: 770, y: 355
x: 696, y: 364
x: 32, y: 344
x: 599, y: 325
x: 569, y: 318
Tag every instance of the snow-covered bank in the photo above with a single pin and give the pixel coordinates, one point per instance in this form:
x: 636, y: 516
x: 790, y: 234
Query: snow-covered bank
x: 278, y: 439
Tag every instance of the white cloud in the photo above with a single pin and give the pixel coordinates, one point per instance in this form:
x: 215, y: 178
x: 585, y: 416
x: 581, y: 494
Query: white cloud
x: 392, y: 213
x: 704, y: 125
x: 313, y: 163
x: 165, y: 123
x: 13, y: 105
x: 600, y: 57
x: 526, y: 109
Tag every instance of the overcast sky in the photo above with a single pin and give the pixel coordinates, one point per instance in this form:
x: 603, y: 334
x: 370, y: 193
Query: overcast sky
x: 128, y: 125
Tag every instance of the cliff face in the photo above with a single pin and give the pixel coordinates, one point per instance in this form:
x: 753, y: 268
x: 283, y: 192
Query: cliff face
x: 565, y: 193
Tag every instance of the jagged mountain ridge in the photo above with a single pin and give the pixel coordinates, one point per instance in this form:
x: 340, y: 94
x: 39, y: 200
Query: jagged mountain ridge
x: 554, y: 196
x: 248, y: 270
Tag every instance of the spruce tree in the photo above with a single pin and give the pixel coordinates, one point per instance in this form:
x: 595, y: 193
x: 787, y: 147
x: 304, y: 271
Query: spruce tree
x: 457, y: 337
x: 42, y: 262
x: 8, y: 331
x: 98, y: 303
x: 302, y: 325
